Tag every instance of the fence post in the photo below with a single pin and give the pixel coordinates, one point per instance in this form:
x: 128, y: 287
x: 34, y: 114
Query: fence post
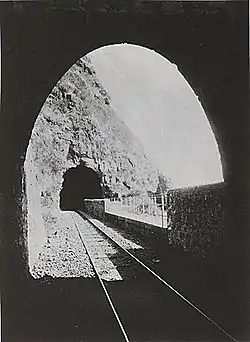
x: 162, y: 210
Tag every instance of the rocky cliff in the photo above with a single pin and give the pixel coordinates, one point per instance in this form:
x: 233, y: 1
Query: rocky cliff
x: 77, y: 125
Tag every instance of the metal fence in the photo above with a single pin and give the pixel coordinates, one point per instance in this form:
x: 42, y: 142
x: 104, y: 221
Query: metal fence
x: 148, y: 209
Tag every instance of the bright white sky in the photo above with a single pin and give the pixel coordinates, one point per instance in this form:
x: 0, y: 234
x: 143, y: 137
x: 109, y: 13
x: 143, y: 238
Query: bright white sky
x: 155, y: 101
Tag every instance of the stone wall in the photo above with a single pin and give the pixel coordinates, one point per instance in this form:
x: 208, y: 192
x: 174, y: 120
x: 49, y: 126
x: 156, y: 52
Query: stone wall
x: 197, y: 218
x: 96, y: 208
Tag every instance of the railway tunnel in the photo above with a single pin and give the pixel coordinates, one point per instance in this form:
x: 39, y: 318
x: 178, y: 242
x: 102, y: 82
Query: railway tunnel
x: 217, y: 72
x: 79, y: 183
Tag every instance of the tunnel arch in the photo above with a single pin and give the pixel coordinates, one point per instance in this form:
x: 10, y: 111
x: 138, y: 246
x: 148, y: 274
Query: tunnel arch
x: 56, y: 187
x: 183, y: 68
x: 210, y: 48
x: 202, y: 96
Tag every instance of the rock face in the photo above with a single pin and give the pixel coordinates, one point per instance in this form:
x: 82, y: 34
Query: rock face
x: 77, y: 126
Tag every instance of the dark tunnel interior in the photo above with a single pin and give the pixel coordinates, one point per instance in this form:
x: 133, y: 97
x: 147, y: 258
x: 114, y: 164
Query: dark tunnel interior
x: 79, y: 183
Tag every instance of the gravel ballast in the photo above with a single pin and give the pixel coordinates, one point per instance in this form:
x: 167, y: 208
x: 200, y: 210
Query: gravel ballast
x: 63, y: 254
x: 71, y: 239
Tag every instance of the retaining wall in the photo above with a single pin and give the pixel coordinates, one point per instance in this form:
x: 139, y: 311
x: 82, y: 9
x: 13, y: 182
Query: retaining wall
x: 95, y: 207
x: 197, y: 217
x: 129, y: 224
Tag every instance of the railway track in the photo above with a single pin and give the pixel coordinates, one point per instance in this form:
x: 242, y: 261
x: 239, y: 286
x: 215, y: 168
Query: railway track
x: 224, y: 335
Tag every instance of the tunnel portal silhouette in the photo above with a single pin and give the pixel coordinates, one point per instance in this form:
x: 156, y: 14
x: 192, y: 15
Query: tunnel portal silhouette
x: 79, y: 184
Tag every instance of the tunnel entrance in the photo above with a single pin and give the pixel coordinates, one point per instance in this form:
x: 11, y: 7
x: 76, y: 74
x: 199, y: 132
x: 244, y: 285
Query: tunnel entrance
x: 79, y: 183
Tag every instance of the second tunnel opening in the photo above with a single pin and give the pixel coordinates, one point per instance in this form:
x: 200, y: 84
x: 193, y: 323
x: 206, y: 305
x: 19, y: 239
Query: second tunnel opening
x: 79, y: 183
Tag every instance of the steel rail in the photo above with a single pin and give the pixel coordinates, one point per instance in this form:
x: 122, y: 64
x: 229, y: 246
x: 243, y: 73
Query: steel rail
x: 102, y: 284
x: 161, y: 279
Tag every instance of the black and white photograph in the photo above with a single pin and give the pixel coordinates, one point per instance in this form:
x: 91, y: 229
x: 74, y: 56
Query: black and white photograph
x: 124, y: 178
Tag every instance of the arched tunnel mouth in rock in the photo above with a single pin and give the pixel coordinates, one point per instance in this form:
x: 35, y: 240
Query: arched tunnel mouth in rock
x: 79, y: 183
x: 90, y: 142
